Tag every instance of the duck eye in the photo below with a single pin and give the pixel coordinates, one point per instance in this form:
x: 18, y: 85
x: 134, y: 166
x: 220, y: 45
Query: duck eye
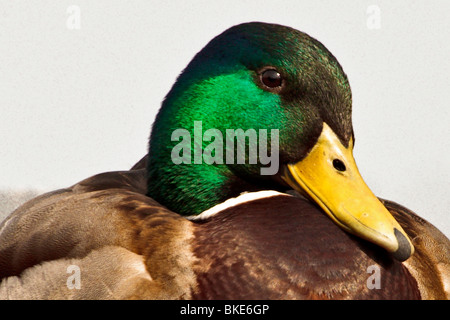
x: 271, y: 78
x: 339, y: 165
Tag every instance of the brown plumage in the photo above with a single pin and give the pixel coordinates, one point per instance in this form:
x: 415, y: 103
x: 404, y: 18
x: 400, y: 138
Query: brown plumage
x: 127, y: 246
x: 430, y: 264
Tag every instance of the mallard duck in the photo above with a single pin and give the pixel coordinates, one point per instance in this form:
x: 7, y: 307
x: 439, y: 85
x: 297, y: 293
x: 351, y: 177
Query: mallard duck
x: 249, y: 191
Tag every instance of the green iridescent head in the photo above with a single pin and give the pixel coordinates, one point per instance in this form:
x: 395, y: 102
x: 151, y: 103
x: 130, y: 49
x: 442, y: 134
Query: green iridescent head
x: 254, y: 76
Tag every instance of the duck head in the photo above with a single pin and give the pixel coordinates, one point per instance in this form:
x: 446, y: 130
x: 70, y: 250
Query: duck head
x: 265, y: 92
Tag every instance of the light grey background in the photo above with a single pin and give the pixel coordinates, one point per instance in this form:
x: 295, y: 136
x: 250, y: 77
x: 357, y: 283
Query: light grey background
x: 79, y: 102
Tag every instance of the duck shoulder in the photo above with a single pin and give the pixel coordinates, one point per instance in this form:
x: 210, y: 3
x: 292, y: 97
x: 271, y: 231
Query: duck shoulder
x: 430, y: 263
x: 125, y: 244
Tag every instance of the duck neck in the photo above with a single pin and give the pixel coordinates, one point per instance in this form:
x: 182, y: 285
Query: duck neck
x: 188, y: 172
x: 190, y: 189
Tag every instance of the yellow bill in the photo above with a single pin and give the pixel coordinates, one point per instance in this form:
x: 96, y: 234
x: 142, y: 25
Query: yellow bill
x: 329, y: 175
